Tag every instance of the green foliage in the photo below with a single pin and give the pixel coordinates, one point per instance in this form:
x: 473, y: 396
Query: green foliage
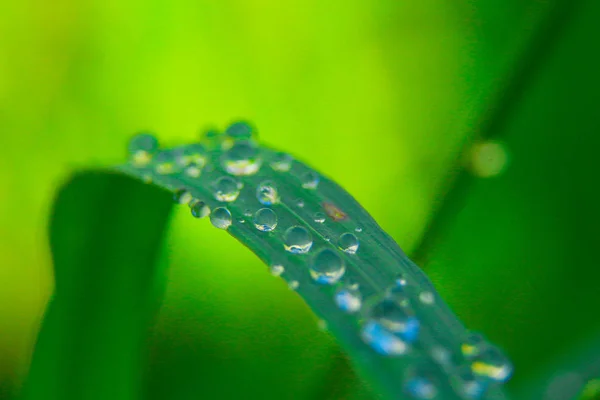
x: 104, y: 248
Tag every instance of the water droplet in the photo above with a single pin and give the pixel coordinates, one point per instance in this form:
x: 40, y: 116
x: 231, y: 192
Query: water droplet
x: 310, y: 180
x: 226, y: 189
x: 319, y: 217
x: 220, y: 218
x: 400, y: 280
x: 265, y: 220
x: 194, y: 154
x: 211, y: 134
x: 242, y: 158
x: 293, y: 285
x: 488, y: 159
x: 193, y: 171
x: 327, y: 267
x: 348, y: 298
x: 358, y: 229
x: 473, y: 344
x: 348, y: 243
x: 199, y: 209
x: 266, y: 193
x: 247, y: 212
x: 277, y: 269
x: 165, y: 162
x: 241, y: 220
x: 141, y: 147
x: 182, y: 196
x: 467, y: 383
x: 396, y: 318
x: 421, y: 386
x: 381, y: 340
x: 240, y: 130
x: 300, y: 203
x: 282, y: 162
x: 492, y: 364
x: 426, y: 297
x: 297, y: 240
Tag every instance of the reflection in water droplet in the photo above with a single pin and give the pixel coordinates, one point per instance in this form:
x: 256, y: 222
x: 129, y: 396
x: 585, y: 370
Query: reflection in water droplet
x: 297, y: 240
x: 348, y: 298
x: 182, y: 196
x: 277, y: 269
x: 310, y: 180
x: 247, y: 212
x: 381, y: 340
x: 266, y: 193
x: 396, y: 318
x: 243, y: 158
x: 282, y: 162
x: 358, y: 229
x: 193, y: 171
x: 293, y: 285
x: 421, y: 387
x: 348, y: 243
x: 492, y: 364
x: 488, y: 159
x: 141, y: 148
x: 319, y: 217
x: 327, y: 267
x: 221, y: 218
x: 226, y: 189
x: 199, y: 209
x: 265, y: 220
x: 300, y: 203
x: 239, y: 130
x: 191, y: 154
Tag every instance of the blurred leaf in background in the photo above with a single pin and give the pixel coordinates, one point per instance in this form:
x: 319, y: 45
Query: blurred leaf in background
x: 382, y: 96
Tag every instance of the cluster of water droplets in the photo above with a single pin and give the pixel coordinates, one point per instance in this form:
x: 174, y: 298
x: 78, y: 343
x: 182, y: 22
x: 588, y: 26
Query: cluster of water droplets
x: 388, y: 322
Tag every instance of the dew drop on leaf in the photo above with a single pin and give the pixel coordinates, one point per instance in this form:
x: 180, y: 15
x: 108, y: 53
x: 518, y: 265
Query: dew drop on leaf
x: 265, y: 220
x: 226, y: 189
x: 220, y: 218
x: 327, y: 267
x: 348, y: 243
x: 267, y: 194
x: 297, y: 240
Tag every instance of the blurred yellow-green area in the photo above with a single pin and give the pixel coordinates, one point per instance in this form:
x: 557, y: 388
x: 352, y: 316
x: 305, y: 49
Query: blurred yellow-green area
x: 382, y: 96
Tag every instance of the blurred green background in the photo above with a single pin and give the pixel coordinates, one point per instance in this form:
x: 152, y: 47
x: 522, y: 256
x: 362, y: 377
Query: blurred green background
x: 386, y: 97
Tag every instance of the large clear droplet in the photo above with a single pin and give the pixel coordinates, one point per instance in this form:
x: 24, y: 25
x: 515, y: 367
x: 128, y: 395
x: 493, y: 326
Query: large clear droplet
x: 395, y: 318
x: 267, y: 194
x: 265, y: 220
x: 381, y: 340
x: 191, y: 155
x: 182, y: 196
x: 327, y: 267
x: 282, y: 162
x: 226, y: 189
x: 492, y: 364
x: 141, y: 148
x: 348, y: 243
x: 199, y: 209
x: 220, y: 218
x: 297, y: 240
x: 348, y: 298
x: 310, y: 180
x: 319, y: 217
x: 240, y: 130
x: 243, y: 158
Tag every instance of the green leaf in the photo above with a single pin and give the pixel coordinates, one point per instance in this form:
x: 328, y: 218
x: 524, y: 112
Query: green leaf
x: 379, y: 305
x: 105, y: 235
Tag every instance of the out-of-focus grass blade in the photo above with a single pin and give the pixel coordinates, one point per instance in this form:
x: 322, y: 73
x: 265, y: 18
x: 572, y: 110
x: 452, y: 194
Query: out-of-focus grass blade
x: 518, y: 233
x: 105, y: 235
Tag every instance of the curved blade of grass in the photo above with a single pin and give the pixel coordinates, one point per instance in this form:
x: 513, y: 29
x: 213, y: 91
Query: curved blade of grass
x: 105, y: 233
x: 415, y: 349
